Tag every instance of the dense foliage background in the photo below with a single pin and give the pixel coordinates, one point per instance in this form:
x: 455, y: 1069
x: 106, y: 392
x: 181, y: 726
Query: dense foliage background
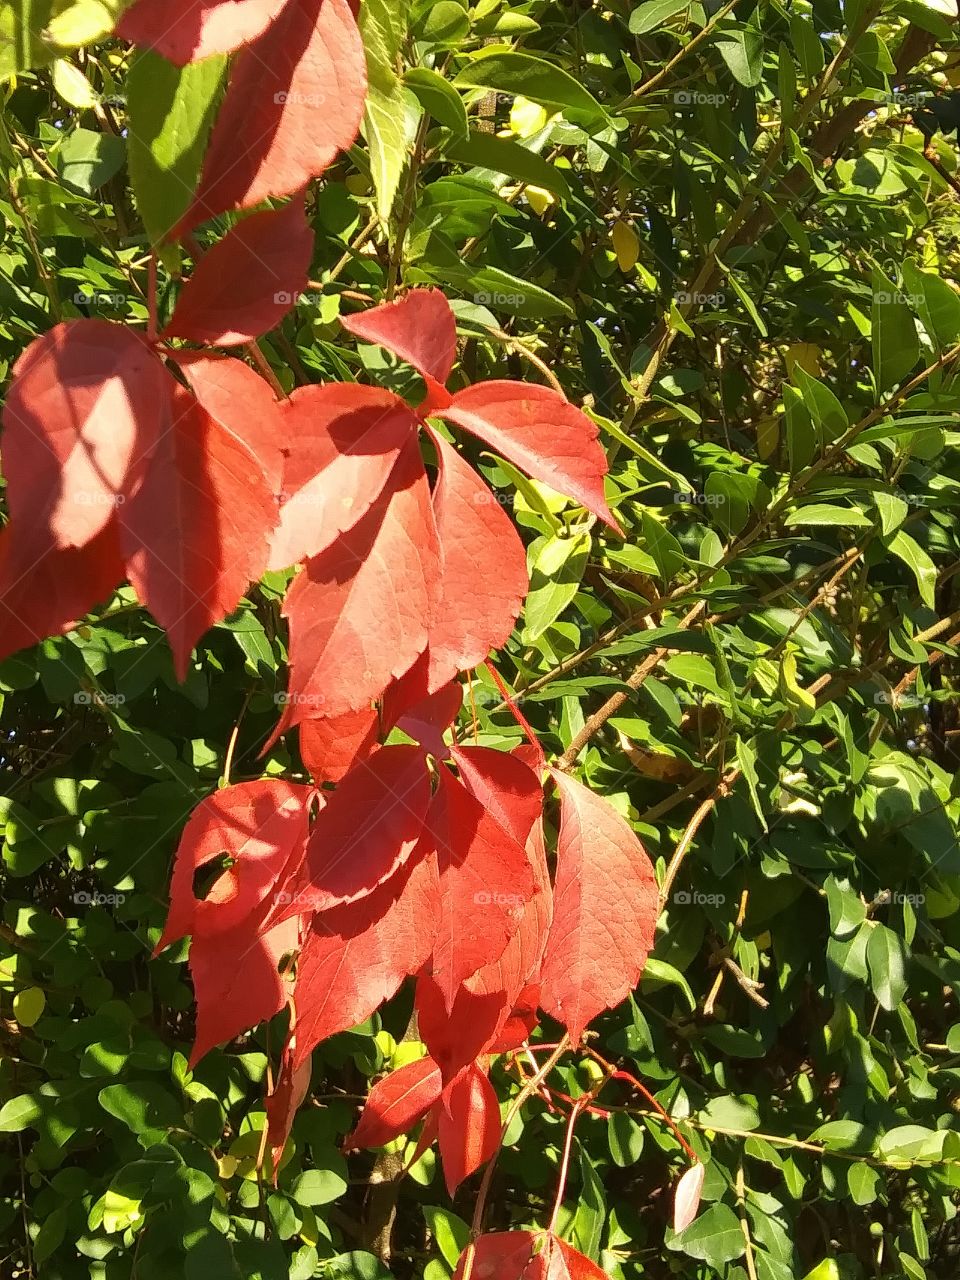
x: 731, y: 233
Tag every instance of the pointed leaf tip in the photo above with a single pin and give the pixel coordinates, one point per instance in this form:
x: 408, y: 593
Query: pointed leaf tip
x: 686, y: 1198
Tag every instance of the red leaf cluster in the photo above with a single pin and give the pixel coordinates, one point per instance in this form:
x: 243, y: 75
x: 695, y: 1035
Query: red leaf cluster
x: 179, y: 470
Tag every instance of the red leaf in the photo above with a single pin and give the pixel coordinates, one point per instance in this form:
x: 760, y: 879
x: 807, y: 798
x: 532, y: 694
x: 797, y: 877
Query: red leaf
x: 484, y: 569
x: 505, y: 1255
x: 396, y: 1103
x: 485, y: 1016
x: 541, y: 432
x: 519, y: 965
x: 469, y: 1126
x: 485, y: 879
x: 562, y: 1262
x: 424, y: 717
x: 518, y: 1027
x: 356, y: 956
x: 347, y: 441
x: 294, y: 101
x: 368, y: 828
x: 241, y: 402
x: 686, y: 1198
x: 504, y: 784
x: 331, y: 747
x: 419, y: 328
x: 605, y: 910
x: 248, y: 281
x: 188, y: 30
x: 43, y: 591
x: 360, y: 611
x: 86, y: 406
x: 259, y: 825
x: 283, y: 1103
x: 195, y: 532
x: 237, y: 981
x: 457, y: 1037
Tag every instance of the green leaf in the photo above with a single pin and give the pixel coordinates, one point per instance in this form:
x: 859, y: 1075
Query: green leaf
x: 911, y: 1142
x: 625, y: 1137
x: 728, y: 1112
x: 28, y: 1005
x: 654, y: 14
x: 800, y: 431
x: 892, y: 511
x: 35, y: 32
x: 19, y: 1113
x: 356, y: 1266
x: 443, y: 23
x: 171, y: 111
x: 825, y: 409
x: 662, y: 545
x: 863, y: 1181
x: 842, y: 1135
x: 450, y: 1232
x: 822, y: 513
x: 141, y: 1105
x: 918, y: 562
x: 715, y: 1237
x: 936, y: 304
x: 383, y: 26
x: 87, y: 159
x: 530, y: 77
x: 896, y: 348
x: 555, y: 576
x: 491, y: 287
x: 743, y: 54
x: 438, y: 97
x: 319, y: 1186
x: 887, y: 962
x: 587, y: 1228
x: 502, y: 155
x: 808, y: 46
x: 657, y: 971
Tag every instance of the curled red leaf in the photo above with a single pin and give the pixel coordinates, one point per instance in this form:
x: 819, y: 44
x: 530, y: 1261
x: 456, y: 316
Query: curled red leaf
x: 396, y: 1103
x: 419, y: 328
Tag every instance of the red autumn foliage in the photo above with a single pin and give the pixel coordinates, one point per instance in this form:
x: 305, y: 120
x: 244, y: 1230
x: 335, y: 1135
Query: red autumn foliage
x: 181, y: 471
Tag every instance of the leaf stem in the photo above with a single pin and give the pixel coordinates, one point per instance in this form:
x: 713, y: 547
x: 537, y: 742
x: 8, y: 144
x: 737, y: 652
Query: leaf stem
x: 565, y: 1162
